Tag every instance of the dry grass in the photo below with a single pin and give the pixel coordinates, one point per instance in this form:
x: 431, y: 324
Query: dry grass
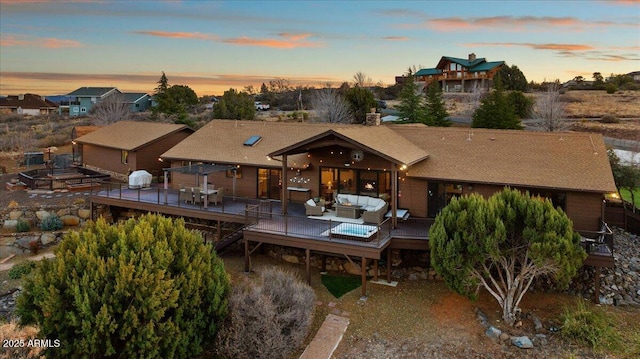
x: 595, y: 104
x: 13, y: 332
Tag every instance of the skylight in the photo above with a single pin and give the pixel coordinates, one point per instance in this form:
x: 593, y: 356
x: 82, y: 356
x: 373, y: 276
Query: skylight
x: 251, y: 141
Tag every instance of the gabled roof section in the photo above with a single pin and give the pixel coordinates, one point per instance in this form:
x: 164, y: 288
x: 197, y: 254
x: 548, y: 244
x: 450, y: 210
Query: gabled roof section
x: 93, y: 91
x: 222, y: 141
x: 464, y: 62
x: 133, y: 97
x: 130, y: 135
x: 27, y: 101
x: 428, y: 72
x: 486, y: 66
x: 378, y: 140
x: 569, y: 161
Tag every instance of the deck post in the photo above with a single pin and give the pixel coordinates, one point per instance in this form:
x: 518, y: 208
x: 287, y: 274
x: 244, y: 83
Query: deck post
x: 394, y: 196
x: 246, y: 256
x: 375, y: 270
x: 308, y: 265
x: 388, y: 265
x: 285, y: 194
x: 166, y: 188
x: 324, y: 263
x: 364, y: 277
x: 205, y: 186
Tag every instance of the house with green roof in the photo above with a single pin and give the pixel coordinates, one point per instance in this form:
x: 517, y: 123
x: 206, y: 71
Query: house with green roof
x: 138, y: 101
x: 460, y: 75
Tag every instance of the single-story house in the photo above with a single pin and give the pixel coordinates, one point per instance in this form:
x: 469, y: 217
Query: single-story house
x: 414, y: 167
x: 138, y: 101
x: 127, y: 146
x: 27, y: 104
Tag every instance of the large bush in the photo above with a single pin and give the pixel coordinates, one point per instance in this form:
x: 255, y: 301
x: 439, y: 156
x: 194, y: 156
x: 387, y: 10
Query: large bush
x: 269, y: 320
x: 146, y: 288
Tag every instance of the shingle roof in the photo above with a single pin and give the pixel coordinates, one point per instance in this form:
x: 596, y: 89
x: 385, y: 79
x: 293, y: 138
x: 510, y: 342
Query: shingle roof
x: 486, y: 66
x: 130, y: 135
x: 575, y: 161
x: 428, y: 72
x: 29, y: 101
x: 133, y: 97
x: 479, y: 64
x: 92, y: 91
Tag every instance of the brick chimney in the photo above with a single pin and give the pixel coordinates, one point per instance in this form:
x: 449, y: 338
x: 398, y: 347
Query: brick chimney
x: 472, y: 57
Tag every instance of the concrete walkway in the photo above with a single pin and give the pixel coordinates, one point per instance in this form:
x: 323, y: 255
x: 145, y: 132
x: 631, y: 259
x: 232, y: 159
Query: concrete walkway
x: 327, y: 338
x: 39, y: 257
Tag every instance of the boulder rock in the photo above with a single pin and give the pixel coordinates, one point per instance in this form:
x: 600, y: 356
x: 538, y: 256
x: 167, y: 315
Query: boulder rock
x: 47, y: 238
x: 15, y: 214
x: 42, y: 214
x: 24, y: 242
x: 290, y: 259
x: 493, y: 332
x: 84, y: 213
x: 522, y: 342
x: 70, y: 220
x: 10, y: 223
x: 63, y: 212
x: 352, y: 268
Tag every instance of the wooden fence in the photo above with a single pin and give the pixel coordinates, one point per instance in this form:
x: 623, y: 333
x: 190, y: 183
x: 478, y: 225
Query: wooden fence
x: 623, y: 218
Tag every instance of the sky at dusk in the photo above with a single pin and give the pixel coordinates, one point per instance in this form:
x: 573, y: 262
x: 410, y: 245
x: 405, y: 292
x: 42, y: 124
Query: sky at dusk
x: 53, y: 47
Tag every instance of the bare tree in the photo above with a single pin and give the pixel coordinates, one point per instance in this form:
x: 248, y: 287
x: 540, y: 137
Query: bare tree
x: 330, y: 107
x: 361, y: 79
x: 112, y: 109
x: 550, y: 111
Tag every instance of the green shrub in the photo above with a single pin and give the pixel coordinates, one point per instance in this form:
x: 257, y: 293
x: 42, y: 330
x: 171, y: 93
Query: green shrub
x: 591, y: 327
x: 609, y: 119
x: 145, y: 288
x: 522, y: 104
x: 611, y: 88
x: 51, y: 223
x: 23, y: 226
x: 269, y: 319
x: 21, y: 269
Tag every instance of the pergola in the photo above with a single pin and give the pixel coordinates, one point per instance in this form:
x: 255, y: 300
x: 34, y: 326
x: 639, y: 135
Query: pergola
x: 200, y: 169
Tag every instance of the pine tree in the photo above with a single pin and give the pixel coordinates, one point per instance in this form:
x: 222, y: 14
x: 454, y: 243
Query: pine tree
x: 503, y: 244
x: 496, y: 111
x: 436, y: 111
x: 146, y: 288
x: 412, y: 106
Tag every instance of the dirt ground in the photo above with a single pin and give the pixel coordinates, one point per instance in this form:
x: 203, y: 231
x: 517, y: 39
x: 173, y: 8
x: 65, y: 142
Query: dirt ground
x: 424, y: 319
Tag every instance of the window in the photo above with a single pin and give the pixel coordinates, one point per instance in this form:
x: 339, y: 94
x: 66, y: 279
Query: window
x: 83, y: 109
x: 252, y: 141
x: 124, y: 156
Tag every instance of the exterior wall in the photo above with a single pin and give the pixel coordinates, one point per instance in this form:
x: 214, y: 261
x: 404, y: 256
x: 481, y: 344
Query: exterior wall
x: 413, y: 196
x: 585, y: 210
x: 146, y: 158
x: 106, y: 158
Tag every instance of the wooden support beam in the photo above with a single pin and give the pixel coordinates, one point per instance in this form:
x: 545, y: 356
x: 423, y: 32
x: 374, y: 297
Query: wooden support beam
x: 324, y: 263
x: 308, y: 264
x: 364, y: 277
x: 388, y: 265
x: 349, y: 259
x: 375, y: 270
x: 219, y: 237
x: 285, y: 194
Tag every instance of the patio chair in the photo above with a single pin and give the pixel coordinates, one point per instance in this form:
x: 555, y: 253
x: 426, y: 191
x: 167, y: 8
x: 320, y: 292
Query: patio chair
x: 197, y: 196
x: 217, y: 197
x: 185, y: 194
x: 312, y: 209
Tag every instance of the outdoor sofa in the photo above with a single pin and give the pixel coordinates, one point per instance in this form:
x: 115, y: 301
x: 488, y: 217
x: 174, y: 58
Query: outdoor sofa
x: 313, y: 209
x: 374, y: 209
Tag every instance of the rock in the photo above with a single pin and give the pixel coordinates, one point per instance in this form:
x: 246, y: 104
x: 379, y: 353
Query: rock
x: 84, y: 213
x: 26, y: 240
x: 493, y: 332
x: 9, y: 250
x: 10, y: 223
x: 605, y: 300
x: 289, y: 258
x: 522, y: 342
x: 63, y: 212
x: 482, y: 317
x: 15, y: 214
x: 540, y: 339
x: 42, y: 214
x: 504, y: 337
x: 47, y: 238
x: 71, y: 221
x: 537, y: 323
x: 352, y: 268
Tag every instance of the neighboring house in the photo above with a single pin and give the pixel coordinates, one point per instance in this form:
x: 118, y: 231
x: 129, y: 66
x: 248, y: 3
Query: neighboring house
x: 84, y: 98
x: 635, y: 75
x: 432, y: 164
x: 460, y: 75
x: 138, y: 101
x: 27, y: 104
x: 128, y: 146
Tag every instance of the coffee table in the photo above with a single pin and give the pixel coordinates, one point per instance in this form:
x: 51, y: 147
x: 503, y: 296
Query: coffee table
x: 348, y: 210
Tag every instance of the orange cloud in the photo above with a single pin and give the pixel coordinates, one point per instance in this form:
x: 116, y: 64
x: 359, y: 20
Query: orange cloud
x: 510, y: 22
x: 289, y: 42
x: 50, y: 42
x: 396, y: 38
x: 294, y: 37
x: 557, y: 47
x: 178, y: 35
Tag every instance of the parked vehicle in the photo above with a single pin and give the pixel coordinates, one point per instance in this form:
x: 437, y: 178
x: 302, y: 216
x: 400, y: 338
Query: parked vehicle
x: 261, y: 106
